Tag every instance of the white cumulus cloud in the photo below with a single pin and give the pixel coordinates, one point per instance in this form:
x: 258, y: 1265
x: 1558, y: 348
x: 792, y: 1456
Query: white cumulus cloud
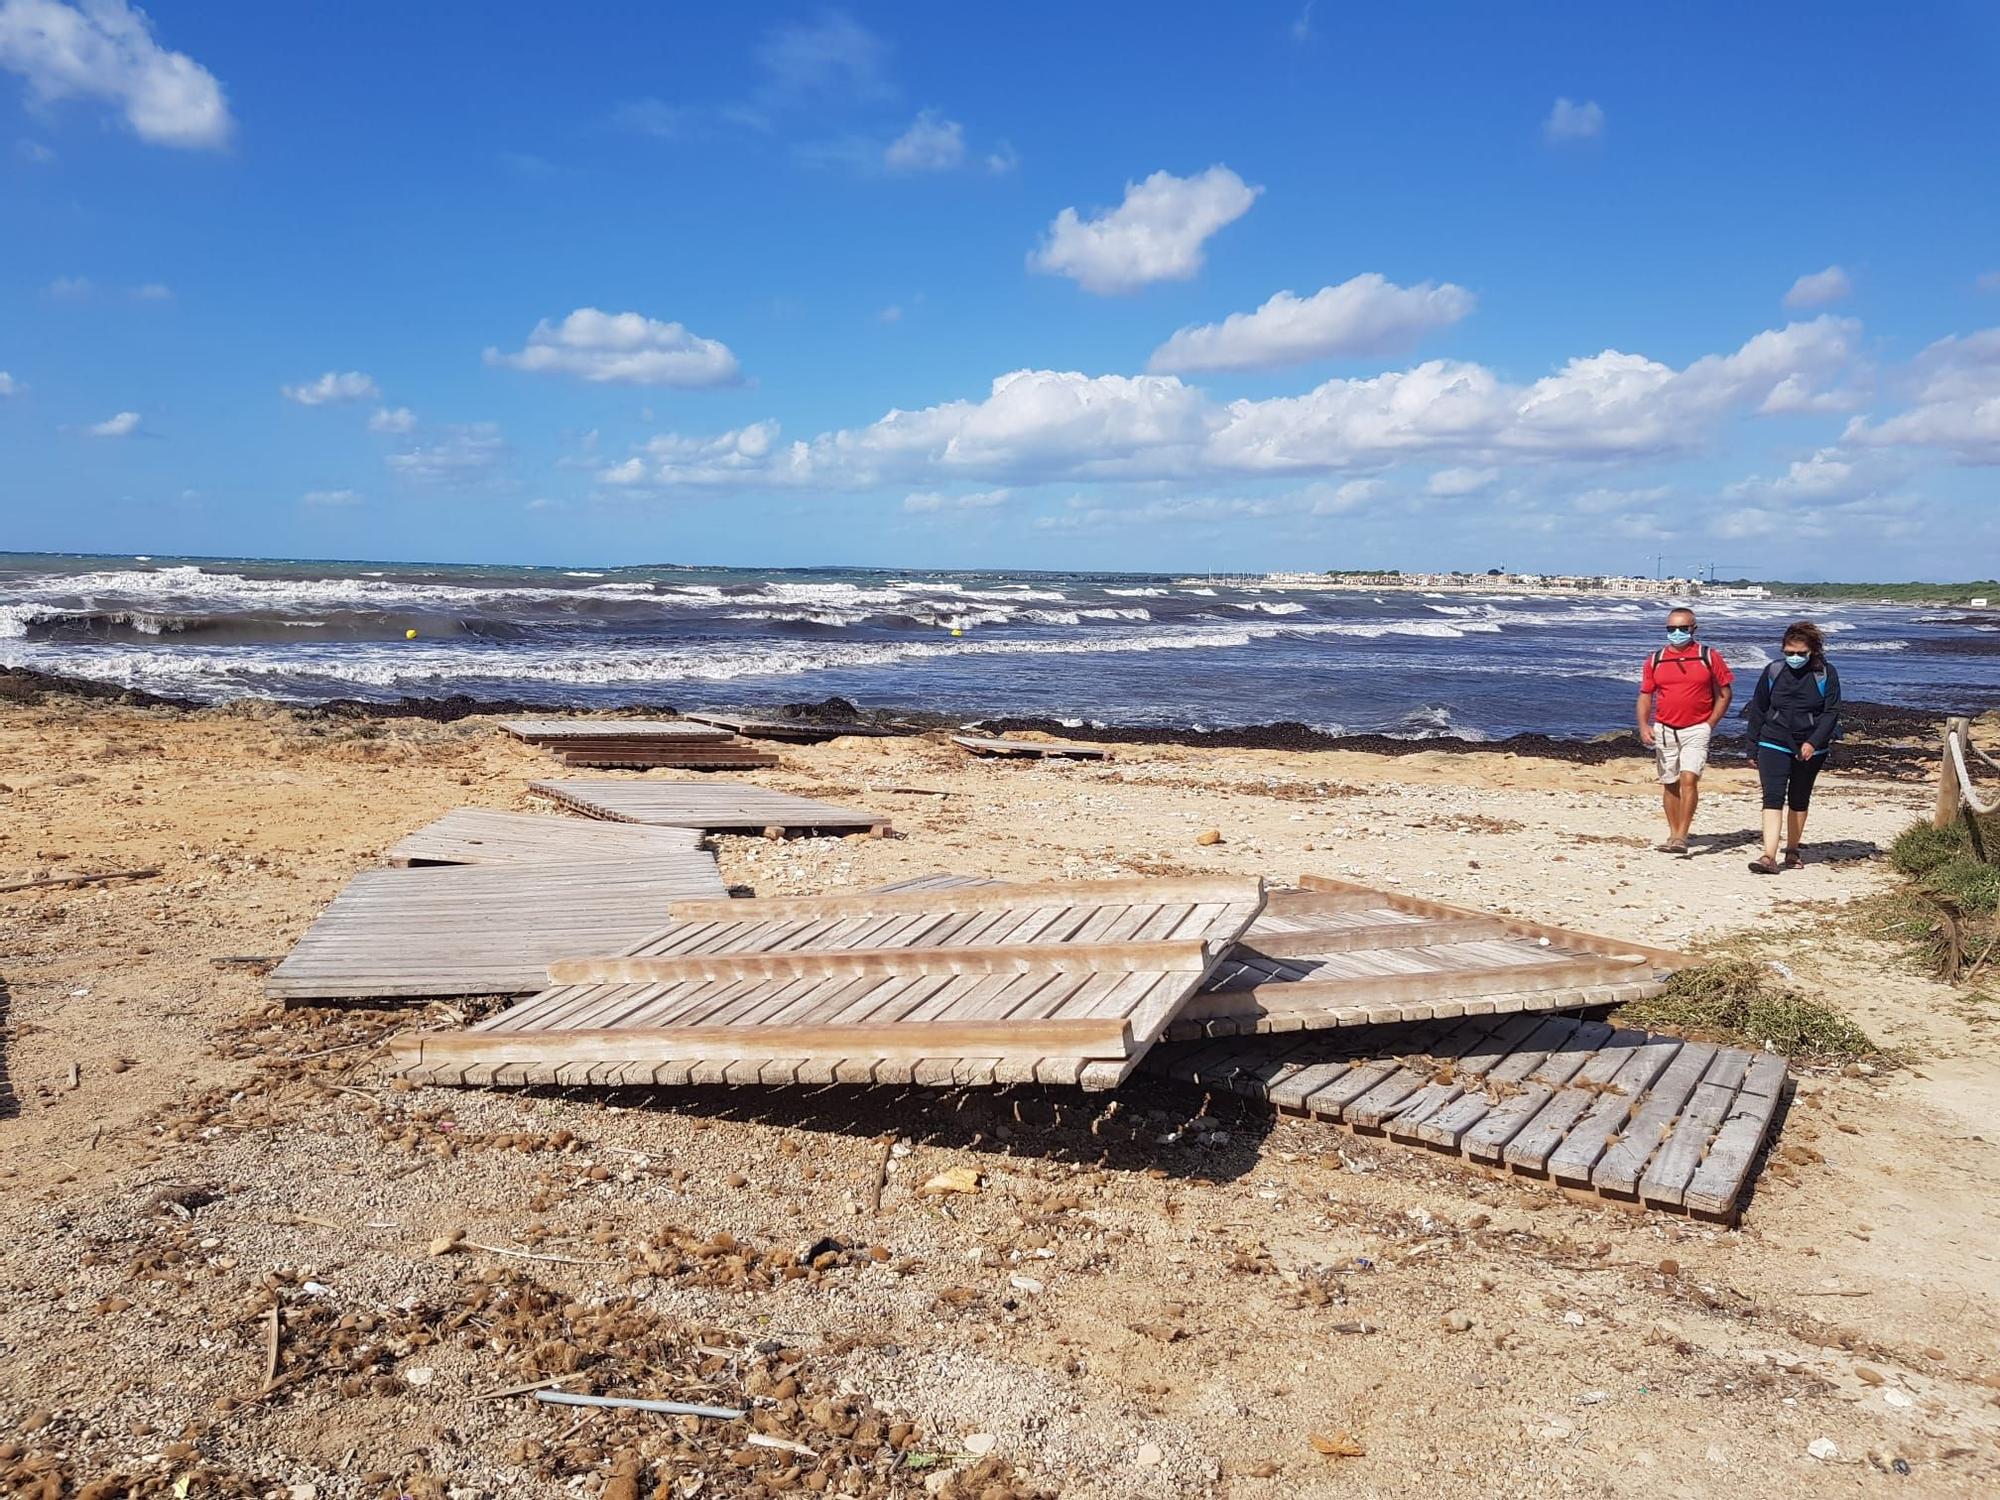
x: 333, y: 387
x: 393, y: 419
x: 1955, y: 405
x: 106, y: 50
x: 1036, y: 426
x: 931, y: 144
x: 1819, y: 288
x: 626, y: 348
x: 1367, y: 314
x: 9, y: 386
x: 123, y: 425
x: 1571, y: 121
x: 330, y: 499
x: 1156, y: 234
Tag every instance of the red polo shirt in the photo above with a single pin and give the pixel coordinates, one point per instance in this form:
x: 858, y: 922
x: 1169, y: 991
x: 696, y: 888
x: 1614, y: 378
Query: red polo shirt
x: 1686, y: 687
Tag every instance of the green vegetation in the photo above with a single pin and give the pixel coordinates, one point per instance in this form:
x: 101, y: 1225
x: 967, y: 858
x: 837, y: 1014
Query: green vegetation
x: 1740, y: 1001
x: 1899, y: 593
x: 1955, y: 918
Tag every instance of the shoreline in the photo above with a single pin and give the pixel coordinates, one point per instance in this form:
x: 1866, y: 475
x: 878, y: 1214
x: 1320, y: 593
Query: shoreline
x: 1882, y: 739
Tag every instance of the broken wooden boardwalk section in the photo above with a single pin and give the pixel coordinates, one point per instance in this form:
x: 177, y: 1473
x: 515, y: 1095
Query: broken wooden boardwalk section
x: 715, y: 806
x: 800, y: 731
x: 482, y: 929
x: 1065, y: 982
x: 640, y: 744
x: 486, y: 836
x: 1622, y: 1114
x: 1338, y: 954
x: 981, y: 744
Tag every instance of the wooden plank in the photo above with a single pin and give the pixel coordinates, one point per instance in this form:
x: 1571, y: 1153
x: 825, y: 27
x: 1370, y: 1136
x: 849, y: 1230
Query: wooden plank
x: 1189, y: 957
x: 1666, y: 1177
x: 1563, y: 937
x: 722, y: 1045
x: 1718, y: 1182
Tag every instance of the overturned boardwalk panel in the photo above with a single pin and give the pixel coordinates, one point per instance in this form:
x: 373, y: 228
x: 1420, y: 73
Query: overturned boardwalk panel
x: 1067, y: 982
x: 728, y: 755
x: 1618, y: 1113
x: 1338, y: 954
x: 486, y: 836
x: 716, y: 805
x: 482, y: 929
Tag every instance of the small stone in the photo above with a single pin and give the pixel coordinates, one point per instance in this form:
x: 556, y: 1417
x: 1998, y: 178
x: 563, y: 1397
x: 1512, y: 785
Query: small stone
x: 978, y: 1444
x: 1868, y: 1375
x: 1823, y: 1449
x: 1205, y: 838
x: 1456, y: 1323
x: 954, y: 1180
x: 421, y: 1375
x: 1024, y: 1283
x: 1150, y: 1455
x: 1670, y: 1268
x: 1593, y: 1398
x: 1574, y: 1319
x: 1898, y: 1398
x: 737, y: 1180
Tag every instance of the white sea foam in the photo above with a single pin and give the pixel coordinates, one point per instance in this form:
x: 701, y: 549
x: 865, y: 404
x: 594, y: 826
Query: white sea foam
x: 1139, y: 593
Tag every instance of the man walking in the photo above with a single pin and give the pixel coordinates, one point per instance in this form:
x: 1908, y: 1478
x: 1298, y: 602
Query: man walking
x: 1684, y: 690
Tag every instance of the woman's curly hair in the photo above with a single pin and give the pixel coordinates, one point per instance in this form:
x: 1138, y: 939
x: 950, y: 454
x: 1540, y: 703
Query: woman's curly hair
x: 1808, y: 635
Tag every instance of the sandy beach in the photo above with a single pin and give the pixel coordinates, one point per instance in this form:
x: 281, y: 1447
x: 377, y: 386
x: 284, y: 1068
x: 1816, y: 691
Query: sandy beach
x: 1155, y: 1293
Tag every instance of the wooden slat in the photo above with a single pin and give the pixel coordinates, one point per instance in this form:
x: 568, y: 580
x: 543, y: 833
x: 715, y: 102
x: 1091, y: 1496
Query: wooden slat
x: 726, y: 1044
x: 546, y: 731
x: 1393, y: 988
x: 1127, y: 958
x: 981, y: 744
x: 1320, y: 942
x: 794, y: 729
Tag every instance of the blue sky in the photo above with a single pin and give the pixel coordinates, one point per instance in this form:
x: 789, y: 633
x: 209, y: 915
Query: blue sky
x: 1145, y: 286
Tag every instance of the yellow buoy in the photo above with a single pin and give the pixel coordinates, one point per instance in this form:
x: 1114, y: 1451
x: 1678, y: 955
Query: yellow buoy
x: 956, y: 631
x: 409, y: 635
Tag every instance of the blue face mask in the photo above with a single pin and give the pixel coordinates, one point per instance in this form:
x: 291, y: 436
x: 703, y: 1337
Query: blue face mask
x: 1796, y: 659
x: 1679, y: 637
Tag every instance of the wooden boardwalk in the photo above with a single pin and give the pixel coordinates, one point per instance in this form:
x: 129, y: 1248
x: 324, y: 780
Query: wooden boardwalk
x: 1065, y: 982
x: 567, y: 731
x: 486, y: 836
x: 1347, y: 955
x: 715, y: 806
x: 489, y: 929
x: 800, y: 730
x: 981, y: 744
x: 1621, y: 1114
x: 727, y: 755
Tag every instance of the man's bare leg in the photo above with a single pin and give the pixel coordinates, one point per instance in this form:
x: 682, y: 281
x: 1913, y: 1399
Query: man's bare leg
x: 1670, y: 799
x: 1690, y: 799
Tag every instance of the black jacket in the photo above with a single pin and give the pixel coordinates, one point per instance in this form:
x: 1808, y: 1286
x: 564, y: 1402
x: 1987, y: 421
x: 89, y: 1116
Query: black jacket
x: 1791, y: 706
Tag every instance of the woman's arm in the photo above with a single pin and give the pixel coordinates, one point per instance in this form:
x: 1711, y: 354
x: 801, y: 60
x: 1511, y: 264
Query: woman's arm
x: 1828, y: 719
x: 1753, y: 713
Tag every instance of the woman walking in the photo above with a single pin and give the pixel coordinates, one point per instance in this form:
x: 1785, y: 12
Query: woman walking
x: 1794, y: 717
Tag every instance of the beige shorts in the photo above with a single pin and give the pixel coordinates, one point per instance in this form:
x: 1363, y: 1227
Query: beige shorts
x: 1680, y: 751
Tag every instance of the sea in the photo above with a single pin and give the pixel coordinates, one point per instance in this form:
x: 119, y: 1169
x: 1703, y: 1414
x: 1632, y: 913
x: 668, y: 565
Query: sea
x: 1087, y: 649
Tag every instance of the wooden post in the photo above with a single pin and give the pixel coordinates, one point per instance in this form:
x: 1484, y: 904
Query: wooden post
x: 1948, y: 793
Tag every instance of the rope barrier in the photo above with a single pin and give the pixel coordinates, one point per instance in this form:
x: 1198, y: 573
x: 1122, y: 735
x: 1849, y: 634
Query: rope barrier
x: 1957, y: 747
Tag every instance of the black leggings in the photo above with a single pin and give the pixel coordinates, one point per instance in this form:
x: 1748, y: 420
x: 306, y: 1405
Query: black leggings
x: 1788, y: 781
